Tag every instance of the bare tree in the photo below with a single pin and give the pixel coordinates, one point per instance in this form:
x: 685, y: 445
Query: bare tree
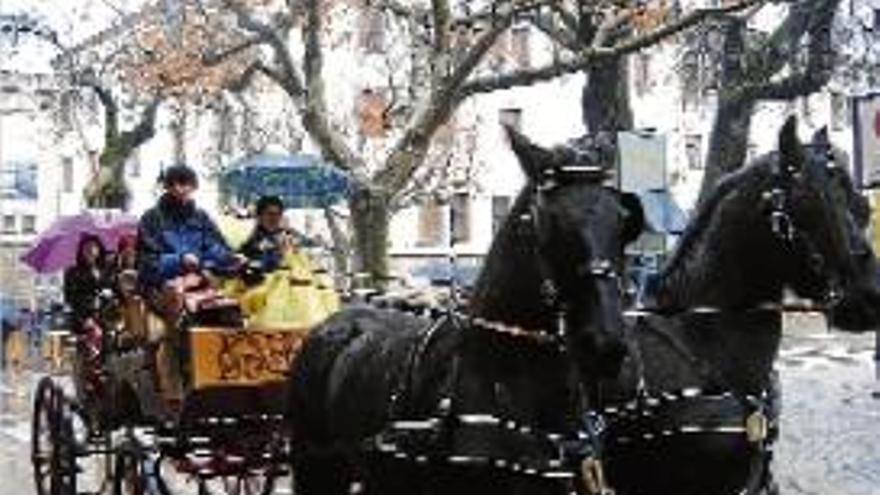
x: 794, y: 60
x: 447, y: 47
x: 145, y: 63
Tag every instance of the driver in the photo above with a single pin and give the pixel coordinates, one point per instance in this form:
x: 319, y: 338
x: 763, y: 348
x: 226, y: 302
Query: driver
x: 176, y: 242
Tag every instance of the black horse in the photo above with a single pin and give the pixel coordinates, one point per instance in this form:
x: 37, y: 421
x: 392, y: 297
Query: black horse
x: 505, y: 381
x: 693, y: 410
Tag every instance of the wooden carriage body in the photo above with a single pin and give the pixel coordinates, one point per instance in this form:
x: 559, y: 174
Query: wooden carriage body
x: 208, y: 398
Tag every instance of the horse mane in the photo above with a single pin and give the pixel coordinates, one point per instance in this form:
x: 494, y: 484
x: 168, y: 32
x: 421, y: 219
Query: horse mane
x: 510, y: 236
x: 695, y: 232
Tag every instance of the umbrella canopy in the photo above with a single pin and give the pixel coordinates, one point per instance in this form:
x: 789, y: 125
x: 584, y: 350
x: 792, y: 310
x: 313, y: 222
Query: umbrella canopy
x: 55, y: 248
x: 301, y: 181
x: 663, y: 215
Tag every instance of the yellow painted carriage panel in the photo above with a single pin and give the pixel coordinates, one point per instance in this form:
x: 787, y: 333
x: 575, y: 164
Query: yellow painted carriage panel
x: 249, y: 357
x: 875, y: 219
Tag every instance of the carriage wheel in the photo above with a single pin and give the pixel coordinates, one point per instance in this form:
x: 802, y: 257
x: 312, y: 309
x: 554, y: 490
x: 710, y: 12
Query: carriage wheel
x: 256, y: 483
x: 53, y: 446
x: 249, y: 484
x: 129, y: 475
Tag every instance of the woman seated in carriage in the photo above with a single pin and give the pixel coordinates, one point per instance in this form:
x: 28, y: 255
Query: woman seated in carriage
x: 266, y: 245
x: 281, y: 288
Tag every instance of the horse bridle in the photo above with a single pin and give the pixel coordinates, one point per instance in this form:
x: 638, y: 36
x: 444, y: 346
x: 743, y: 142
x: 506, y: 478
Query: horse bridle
x: 597, y: 268
x: 785, y: 230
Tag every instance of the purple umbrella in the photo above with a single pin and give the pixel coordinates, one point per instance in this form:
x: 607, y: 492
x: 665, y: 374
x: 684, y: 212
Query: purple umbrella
x: 55, y: 248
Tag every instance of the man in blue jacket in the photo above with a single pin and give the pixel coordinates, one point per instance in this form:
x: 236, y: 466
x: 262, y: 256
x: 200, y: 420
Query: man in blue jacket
x: 177, y: 241
x: 177, y: 238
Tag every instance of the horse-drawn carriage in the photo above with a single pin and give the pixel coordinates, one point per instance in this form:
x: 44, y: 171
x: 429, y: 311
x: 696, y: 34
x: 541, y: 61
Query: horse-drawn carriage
x: 471, y: 403
x: 204, y: 395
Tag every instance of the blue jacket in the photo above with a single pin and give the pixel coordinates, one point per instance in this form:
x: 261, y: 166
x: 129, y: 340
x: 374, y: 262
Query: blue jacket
x: 170, y: 230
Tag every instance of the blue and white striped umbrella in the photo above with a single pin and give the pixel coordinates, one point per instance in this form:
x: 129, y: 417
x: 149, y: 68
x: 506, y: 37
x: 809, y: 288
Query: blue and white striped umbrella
x: 301, y: 181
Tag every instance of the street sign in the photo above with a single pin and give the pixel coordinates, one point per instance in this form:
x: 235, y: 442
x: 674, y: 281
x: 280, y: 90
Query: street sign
x: 641, y: 161
x: 866, y: 140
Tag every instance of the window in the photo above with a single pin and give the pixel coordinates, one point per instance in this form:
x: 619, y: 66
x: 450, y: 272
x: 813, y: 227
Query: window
x: 371, y: 113
x: 372, y: 31
x: 28, y: 224
x: 876, y: 25
x: 8, y: 224
x: 67, y: 174
x: 65, y: 108
x: 18, y: 180
x: 838, y: 111
x: 642, y: 73
x: 520, y: 46
x: 693, y: 149
x: 500, y: 207
x: 430, y: 225
x: 511, y: 117
x: 461, y: 217
x: 134, y: 165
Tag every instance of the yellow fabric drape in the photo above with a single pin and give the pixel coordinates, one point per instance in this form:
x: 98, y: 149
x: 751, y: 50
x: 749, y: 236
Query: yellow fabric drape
x: 291, y: 297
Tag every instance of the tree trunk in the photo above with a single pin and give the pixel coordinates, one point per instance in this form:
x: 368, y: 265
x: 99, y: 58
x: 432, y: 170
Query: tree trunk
x: 108, y: 188
x: 370, y: 214
x: 341, y: 248
x: 605, y: 98
x: 728, y: 142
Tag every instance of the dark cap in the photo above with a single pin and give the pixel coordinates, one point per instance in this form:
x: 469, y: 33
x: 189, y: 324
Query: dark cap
x: 179, y: 174
x: 266, y: 202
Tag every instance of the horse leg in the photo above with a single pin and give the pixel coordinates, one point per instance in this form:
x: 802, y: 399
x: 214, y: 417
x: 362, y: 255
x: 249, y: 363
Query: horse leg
x: 326, y: 474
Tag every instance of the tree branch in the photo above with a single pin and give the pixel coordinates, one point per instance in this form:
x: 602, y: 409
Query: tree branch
x: 315, y: 117
x: 820, y: 58
x: 561, y: 34
x: 820, y: 62
x: 397, y: 8
x: 442, y: 22
x: 108, y: 103
x: 410, y: 150
x: 775, y: 51
x: 590, y: 56
x: 144, y: 130
x: 609, y: 26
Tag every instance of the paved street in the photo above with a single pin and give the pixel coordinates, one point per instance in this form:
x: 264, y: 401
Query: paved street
x: 830, y: 441
x: 831, y: 417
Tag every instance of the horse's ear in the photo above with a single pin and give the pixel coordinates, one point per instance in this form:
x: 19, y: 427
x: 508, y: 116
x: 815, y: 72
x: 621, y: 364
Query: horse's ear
x: 532, y: 158
x: 634, y: 216
x: 791, y: 152
x: 820, y: 137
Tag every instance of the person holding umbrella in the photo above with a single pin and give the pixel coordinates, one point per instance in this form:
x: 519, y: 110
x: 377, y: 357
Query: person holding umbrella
x: 84, y: 282
x: 269, y: 239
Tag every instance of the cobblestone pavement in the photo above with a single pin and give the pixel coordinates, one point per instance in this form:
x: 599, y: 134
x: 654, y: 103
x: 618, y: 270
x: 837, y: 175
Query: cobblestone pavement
x: 830, y: 442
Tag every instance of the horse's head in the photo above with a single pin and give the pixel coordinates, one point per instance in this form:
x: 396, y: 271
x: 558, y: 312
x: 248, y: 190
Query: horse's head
x: 579, y: 228
x: 816, y: 213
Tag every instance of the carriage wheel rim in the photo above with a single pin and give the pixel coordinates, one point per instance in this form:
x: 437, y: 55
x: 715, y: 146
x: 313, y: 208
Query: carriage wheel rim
x: 42, y: 448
